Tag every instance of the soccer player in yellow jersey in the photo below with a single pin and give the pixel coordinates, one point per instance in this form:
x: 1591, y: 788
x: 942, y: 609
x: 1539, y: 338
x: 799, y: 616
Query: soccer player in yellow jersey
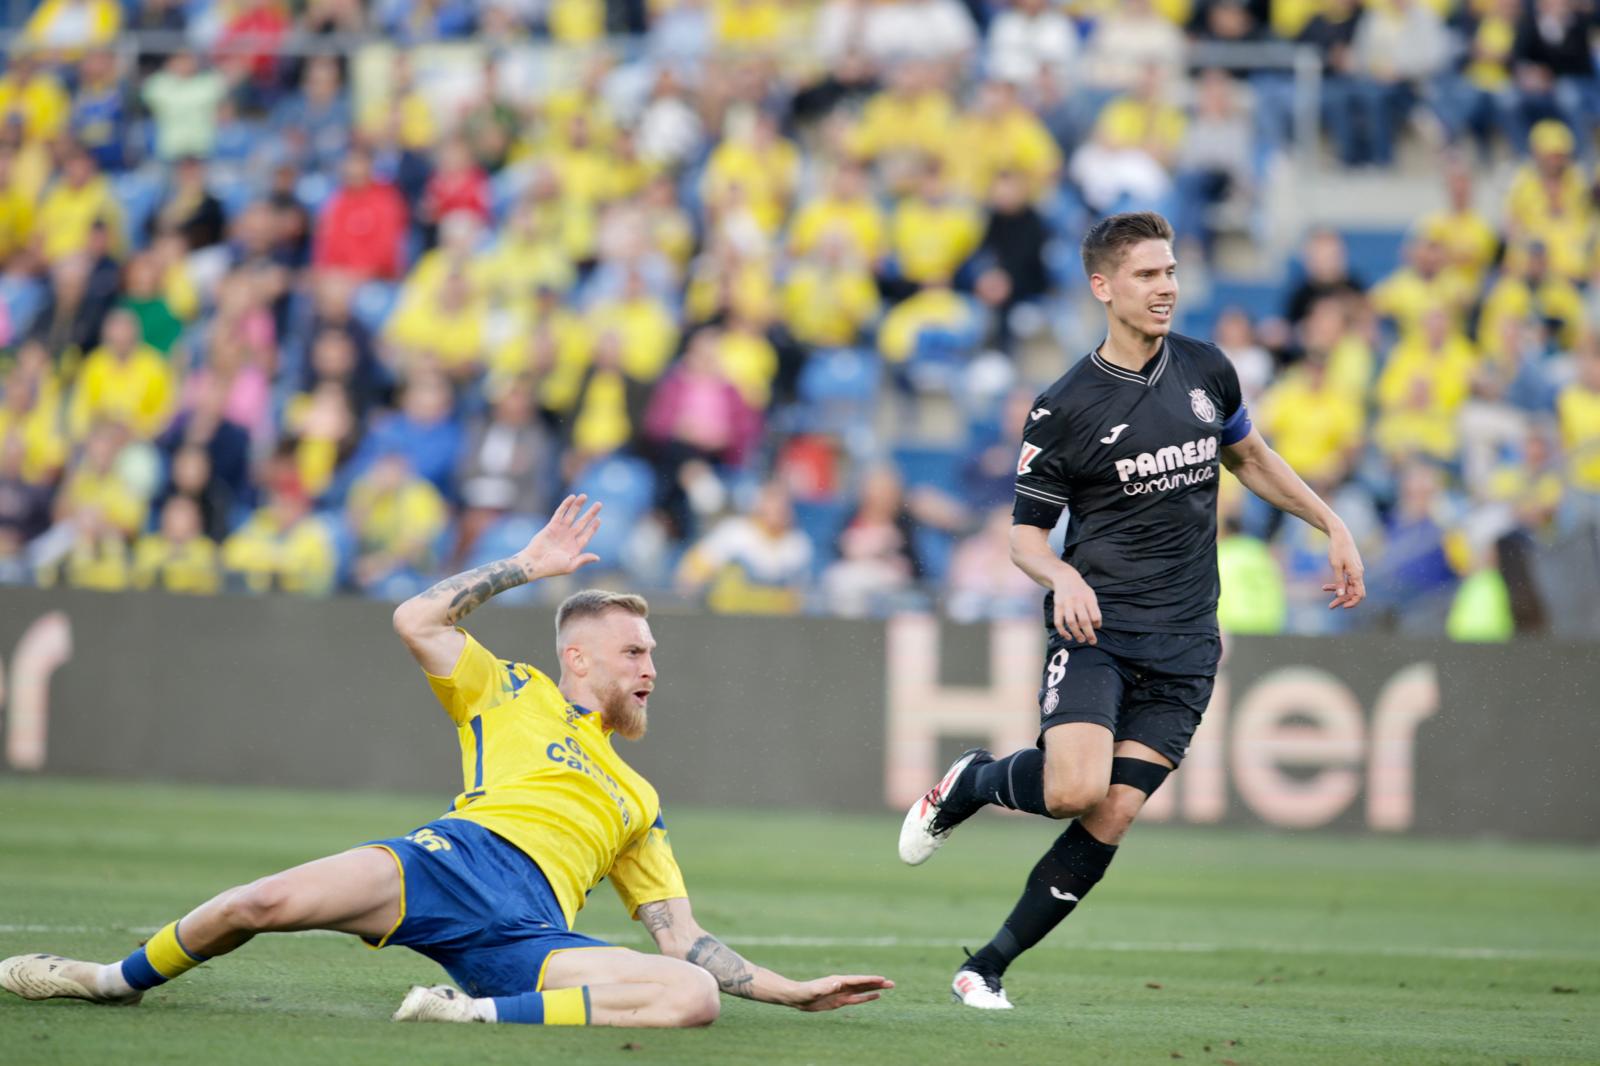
x: 489, y: 891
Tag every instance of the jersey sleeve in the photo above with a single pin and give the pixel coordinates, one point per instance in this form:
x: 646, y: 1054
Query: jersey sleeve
x: 1234, y: 412
x: 1041, y: 468
x: 646, y: 871
x: 478, y: 681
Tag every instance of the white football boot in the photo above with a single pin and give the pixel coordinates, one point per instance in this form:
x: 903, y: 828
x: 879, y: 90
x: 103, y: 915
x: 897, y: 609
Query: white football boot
x: 42, y: 976
x: 973, y: 989
x: 922, y: 833
x: 441, y: 1003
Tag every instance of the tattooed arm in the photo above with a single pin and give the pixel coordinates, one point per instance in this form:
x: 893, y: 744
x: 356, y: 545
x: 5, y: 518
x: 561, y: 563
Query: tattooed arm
x: 672, y: 924
x: 427, y: 621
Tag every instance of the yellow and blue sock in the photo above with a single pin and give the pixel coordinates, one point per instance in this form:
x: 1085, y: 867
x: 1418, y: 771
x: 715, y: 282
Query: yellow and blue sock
x: 562, y: 1006
x: 162, y: 958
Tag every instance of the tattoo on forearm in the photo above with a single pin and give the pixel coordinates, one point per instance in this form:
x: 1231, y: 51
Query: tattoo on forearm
x: 656, y: 918
x: 471, y: 590
x: 734, y: 975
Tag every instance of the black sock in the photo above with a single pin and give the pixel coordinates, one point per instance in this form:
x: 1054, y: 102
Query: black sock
x: 1072, y: 866
x: 1017, y: 781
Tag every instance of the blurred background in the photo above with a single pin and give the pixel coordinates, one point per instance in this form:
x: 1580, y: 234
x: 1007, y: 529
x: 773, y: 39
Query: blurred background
x: 333, y: 298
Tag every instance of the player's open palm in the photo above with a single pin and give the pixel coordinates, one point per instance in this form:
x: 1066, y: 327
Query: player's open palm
x: 831, y: 993
x: 558, y: 548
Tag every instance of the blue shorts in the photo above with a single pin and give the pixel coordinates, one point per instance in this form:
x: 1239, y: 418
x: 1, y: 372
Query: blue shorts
x: 477, y: 906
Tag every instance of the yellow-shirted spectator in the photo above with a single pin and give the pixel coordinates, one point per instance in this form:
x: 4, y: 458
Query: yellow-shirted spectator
x: 17, y: 208
x: 401, y: 109
x: 283, y: 546
x: 1422, y: 286
x: 586, y: 169
x: 1470, y: 240
x: 607, y: 403
x: 81, y: 199
x: 848, y: 210
x: 756, y: 166
x: 447, y: 330
x: 1488, y: 66
x: 1330, y: 332
x: 1529, y: 289
x: 932, y: 233
x: 1316, y: 425
x: 747, y: 23
x: 97, y: 560
x: 1578, y: 409
x: 322, y: 425
x: 553, y: 344
x: 1176, y: 12
x: 1144, y: 118
x: 1423, y: 387
x: 726, y: 276
x: 748, y: 359
x: 67, y: 28
x: 577, y: 21
x: 397, y: 516
x: 179, y: 557
x: 1531, y: 485
x: 456, y: 253
x: 1000, y: 133
x: 937, y: 306
x: 913, y: 116
x: 31, y: 411
x: 123, y: 380
x: 643, y: 325
x: 830, y: 298
x: 670, y: 228
x: 1549, y: 199
x: 96, y: 485
x: 33, y: 96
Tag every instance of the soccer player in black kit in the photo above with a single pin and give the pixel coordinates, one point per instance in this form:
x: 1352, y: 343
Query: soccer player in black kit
x: 1130, y: 440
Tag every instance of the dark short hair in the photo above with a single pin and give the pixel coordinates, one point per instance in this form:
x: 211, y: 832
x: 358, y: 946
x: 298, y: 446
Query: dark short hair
x: 1109, y: 239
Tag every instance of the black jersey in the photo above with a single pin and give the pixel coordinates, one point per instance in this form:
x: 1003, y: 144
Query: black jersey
x: 1134, y: 457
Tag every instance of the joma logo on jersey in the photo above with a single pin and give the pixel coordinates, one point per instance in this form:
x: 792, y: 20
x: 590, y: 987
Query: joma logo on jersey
x: 1172, y: 457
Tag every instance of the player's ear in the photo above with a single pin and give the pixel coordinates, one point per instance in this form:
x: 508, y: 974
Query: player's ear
x: 1100, y: 285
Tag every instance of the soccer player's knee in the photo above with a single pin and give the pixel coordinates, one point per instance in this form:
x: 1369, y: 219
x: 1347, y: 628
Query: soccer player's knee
x: 1068, y: 799
x: 700, y: 1000
x: 261, y: 905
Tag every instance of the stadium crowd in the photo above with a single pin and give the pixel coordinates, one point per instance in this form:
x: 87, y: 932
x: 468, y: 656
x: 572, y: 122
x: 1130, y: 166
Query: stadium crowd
x: 283, y: 315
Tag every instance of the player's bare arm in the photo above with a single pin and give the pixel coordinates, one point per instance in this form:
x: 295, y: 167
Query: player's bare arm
x: 672, y: 924
x: 1077, y: 612
x: 1266, y: 473
x: 427, y: 621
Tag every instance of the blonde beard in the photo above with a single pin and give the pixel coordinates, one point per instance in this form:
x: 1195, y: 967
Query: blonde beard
x: 618, y: 714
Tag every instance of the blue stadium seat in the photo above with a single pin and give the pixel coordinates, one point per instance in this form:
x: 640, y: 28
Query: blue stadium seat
x: 373, y: 304
x: 1373, y: 253
x: 934, y: 547
x: 139, y: 193
x: 926, y: 465
x: 627, y: 487
x: 821, y: 520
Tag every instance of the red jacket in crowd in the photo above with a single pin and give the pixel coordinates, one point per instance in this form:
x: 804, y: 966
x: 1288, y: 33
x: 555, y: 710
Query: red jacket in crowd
x: 362, y: 231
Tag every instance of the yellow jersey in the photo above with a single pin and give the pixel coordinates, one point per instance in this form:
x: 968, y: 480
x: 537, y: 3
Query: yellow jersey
x: 540, y: 773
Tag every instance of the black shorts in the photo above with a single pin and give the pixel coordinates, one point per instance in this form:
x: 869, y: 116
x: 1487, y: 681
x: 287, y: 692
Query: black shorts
x: 1148, y: 687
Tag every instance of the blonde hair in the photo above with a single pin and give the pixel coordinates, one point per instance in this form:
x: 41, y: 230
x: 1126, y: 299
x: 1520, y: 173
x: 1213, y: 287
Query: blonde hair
x: 592, y: 603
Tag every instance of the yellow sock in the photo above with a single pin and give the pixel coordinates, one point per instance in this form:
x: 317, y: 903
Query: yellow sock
x: 162, y: 958
x: 561, y: 1006
x: 566, y: 1006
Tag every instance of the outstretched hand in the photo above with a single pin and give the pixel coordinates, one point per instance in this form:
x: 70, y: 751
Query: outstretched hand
x: 831, y: 993
x: 558, y: 548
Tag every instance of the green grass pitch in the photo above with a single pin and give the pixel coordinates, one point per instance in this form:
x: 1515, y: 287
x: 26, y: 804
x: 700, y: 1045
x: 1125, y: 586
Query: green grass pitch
x: 1205, y: 946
